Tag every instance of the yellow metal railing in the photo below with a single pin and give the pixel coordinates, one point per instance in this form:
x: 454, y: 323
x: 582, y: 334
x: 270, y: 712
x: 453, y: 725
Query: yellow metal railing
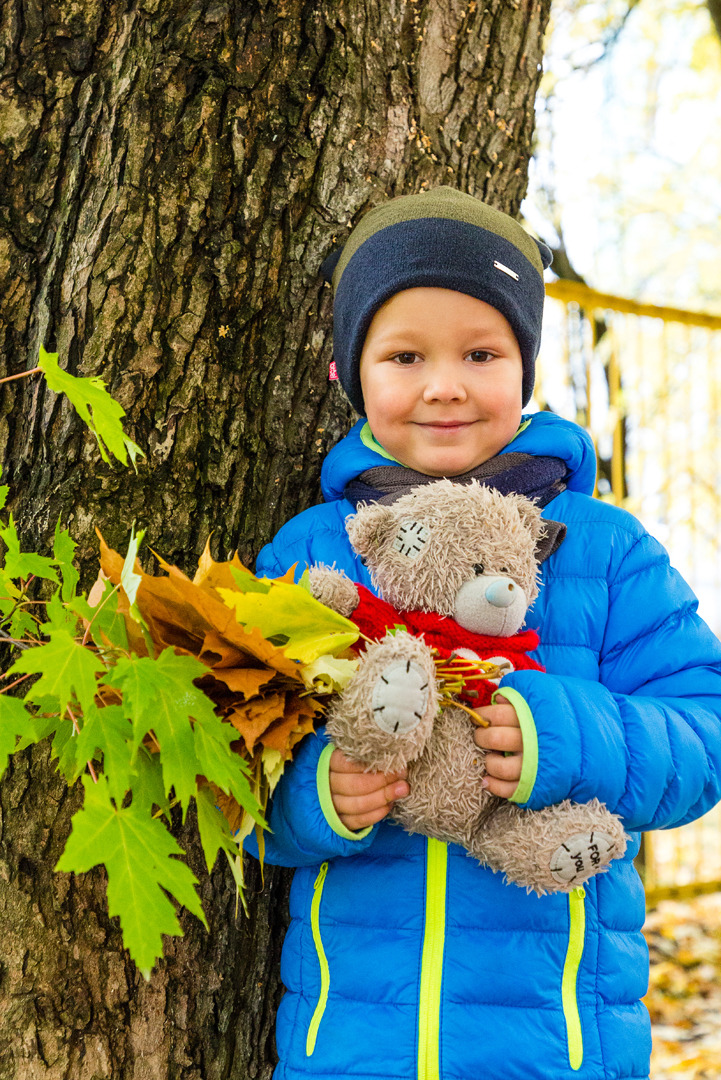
x: 645, y: 381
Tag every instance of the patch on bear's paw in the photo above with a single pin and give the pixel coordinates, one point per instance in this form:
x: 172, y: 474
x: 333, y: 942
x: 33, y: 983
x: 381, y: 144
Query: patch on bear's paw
x: 400, y: 697
x: 581, y: 855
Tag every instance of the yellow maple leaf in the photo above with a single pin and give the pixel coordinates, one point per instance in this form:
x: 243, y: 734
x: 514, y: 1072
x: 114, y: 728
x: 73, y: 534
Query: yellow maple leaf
x: 290, y: 617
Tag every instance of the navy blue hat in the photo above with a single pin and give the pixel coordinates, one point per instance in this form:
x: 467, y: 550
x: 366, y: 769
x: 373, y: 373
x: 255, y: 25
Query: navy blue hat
x: 441, y: 238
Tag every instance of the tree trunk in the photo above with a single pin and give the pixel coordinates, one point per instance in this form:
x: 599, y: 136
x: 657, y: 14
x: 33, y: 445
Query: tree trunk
x: 172, y: 175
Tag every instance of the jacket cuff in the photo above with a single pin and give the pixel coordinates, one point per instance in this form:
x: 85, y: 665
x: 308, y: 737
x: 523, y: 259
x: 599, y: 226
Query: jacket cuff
x: 529, y: 768
x: 322, y: 779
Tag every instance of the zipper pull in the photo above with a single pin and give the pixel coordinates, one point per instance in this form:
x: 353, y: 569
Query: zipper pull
x: 321, y: 876
x: 580, y: 892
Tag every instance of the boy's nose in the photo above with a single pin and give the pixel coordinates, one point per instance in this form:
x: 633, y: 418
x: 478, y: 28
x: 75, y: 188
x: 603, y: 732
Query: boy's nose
x: 444, y: 383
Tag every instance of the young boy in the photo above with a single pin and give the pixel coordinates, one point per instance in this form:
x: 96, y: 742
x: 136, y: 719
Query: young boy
x: 405, y: 958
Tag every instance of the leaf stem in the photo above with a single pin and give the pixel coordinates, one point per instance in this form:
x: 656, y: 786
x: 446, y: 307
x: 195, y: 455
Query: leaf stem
x: 91, y: 770
x: 17, y: 681
x: 100, y: 608
x: 22, y: 375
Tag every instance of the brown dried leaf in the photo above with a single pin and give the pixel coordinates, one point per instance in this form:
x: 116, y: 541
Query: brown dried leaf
x: 297, y: 722
x: 252, y: 719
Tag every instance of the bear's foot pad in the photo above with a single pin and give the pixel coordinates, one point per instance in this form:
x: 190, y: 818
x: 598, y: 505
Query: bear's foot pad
x: 400, y: 697
x: 582, y: 855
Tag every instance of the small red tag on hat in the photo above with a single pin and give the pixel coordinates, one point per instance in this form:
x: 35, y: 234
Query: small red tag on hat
x: 332, y: 372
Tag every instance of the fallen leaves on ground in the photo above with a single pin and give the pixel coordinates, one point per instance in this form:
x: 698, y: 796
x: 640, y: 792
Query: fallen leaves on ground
x: 684, y: 996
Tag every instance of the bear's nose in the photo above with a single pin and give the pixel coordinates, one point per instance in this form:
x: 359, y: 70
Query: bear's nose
x: 501, y: 593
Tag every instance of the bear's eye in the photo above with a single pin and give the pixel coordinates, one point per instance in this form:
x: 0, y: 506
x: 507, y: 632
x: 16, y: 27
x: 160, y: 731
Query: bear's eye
x: 505, y: 570
x: 478, y: 568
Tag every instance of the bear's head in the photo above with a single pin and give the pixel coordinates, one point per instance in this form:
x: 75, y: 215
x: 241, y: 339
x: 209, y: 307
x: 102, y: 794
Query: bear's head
x: 460, y: 550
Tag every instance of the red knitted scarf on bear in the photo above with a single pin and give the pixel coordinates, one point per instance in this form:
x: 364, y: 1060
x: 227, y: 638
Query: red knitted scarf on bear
x: 374, y: 617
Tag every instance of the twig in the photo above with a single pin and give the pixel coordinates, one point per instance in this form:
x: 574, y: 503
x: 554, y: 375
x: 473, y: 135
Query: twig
x: 480, y: 720
x: 22, y: 375
x: 13, y: 641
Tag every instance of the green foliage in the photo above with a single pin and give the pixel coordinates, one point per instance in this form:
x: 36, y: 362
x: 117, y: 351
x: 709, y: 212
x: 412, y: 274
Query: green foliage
x: 137, y: 853
x: 142, y: 720
x: 123, y: 710
x: 98, y: 409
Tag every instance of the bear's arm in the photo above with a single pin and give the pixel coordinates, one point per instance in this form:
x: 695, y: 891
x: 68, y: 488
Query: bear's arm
x: 646, y: 739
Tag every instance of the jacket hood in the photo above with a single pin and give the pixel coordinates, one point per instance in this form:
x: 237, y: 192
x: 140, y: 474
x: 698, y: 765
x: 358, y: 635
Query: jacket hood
x: 546, y: 433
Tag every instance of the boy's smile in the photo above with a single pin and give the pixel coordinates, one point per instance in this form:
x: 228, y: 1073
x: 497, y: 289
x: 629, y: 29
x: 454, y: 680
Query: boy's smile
x: 441, y: 374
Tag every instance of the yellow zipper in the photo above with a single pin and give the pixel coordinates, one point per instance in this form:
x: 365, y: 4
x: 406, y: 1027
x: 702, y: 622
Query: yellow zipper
x: 429, y: 1012
x: 574, y: 953
x: 324, y: 972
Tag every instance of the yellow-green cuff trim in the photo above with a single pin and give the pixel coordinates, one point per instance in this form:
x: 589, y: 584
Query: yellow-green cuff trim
x: 529, y: 768
x: 322, y: 780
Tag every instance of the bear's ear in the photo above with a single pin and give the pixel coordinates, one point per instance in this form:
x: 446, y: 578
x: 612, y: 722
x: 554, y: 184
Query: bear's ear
x: 530, y: 516
x: 369, y: 527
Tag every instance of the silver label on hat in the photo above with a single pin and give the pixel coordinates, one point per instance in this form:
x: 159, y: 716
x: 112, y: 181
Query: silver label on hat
x: 506, y: 269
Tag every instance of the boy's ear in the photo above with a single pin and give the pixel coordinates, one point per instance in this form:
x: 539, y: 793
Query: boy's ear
x: 329, y: 264
x: 369, y: 527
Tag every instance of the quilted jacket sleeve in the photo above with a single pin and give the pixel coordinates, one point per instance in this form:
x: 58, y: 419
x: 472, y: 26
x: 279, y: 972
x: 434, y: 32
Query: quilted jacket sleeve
x: 646, y: 739
x: 305, y: 828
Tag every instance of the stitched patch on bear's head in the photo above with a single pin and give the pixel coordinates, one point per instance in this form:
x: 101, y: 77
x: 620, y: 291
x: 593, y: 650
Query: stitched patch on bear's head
x: 411, y: 538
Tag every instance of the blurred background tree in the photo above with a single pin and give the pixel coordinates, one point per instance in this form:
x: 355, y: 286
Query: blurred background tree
x: 625, y: 182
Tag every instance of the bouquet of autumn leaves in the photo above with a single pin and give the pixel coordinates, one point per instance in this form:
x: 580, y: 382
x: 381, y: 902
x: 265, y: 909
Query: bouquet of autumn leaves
x: 157, y: 691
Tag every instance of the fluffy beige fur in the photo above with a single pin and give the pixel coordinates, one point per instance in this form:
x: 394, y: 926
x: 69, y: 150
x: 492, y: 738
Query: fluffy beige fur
x: 467, y: 524
x: 459, y: 528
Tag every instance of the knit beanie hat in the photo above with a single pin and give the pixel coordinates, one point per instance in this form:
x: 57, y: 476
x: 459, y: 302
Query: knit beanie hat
x: 443, y: 238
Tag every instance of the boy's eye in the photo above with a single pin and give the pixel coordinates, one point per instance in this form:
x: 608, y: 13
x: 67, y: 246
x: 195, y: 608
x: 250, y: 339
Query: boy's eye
x: 405, y: 358
x: 480, y: 356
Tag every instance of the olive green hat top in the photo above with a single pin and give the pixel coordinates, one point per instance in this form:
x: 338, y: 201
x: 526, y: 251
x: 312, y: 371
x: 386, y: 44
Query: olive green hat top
x: 443, y: 238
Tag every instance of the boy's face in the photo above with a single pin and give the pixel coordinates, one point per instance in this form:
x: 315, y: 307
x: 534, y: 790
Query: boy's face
x: 441, y: 374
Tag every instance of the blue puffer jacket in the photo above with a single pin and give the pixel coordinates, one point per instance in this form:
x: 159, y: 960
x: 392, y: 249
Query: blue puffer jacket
x: 404, y: 958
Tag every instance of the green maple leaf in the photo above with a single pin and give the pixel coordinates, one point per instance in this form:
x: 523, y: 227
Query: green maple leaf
x: 22, y: 564
x: 64, y: 552
x: 215, y: 834
x: 223, y: 767
x: 287, y: 613
x: 108, y: 731
x: 22, y: 624
x: 103, y: 618
x: 15, y: 721
x: 65, y: 749
x: 64, y: 667
x: 3, y: 494
x: 95, y: 406
x: 146, y: 780
x: 137, y: 852
x: 159, y: 696
x: 59, y: 616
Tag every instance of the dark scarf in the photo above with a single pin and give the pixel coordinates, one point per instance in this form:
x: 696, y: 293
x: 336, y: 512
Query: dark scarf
x: 539, y: 478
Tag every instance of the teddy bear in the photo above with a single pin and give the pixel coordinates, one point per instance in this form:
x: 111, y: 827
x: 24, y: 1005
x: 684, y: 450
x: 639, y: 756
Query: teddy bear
x: 454, y: 563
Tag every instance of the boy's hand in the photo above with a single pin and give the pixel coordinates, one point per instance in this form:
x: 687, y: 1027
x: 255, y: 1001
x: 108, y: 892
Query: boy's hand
x: 501, y: 738
x: 362, y: 798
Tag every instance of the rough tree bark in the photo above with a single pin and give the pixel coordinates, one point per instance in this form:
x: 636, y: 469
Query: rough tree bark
x: 171, y: 176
